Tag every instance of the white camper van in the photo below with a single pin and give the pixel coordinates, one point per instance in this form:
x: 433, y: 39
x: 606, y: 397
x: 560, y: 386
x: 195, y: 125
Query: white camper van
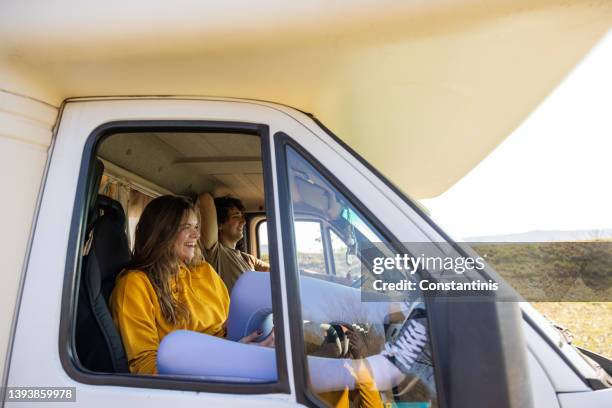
x: 87, y: 141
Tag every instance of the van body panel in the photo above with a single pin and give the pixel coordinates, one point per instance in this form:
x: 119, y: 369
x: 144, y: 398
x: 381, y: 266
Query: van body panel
x: 594, y: 399
x: 561, y: 379
x: 25, y: 137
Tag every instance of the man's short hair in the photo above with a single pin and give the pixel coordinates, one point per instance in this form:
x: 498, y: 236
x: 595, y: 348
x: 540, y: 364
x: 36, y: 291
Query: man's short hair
x: 224, y: 205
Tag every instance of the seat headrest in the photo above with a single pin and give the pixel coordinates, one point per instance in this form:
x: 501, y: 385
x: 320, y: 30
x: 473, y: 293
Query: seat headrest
x: 105, y: 205
x: 110, y: 247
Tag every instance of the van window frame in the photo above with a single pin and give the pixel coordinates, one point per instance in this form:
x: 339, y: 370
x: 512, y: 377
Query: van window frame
x: 326, y: 265
x: 327, y: 230
x: 304, y: 395
x: 72, y: 274
x: 257, y: 237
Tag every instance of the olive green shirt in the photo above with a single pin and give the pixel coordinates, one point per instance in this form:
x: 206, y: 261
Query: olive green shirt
x: 231, y: 263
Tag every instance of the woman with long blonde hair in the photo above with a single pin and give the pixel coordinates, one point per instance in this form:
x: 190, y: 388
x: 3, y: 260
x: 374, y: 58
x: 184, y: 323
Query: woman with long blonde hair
x: 168, y: 286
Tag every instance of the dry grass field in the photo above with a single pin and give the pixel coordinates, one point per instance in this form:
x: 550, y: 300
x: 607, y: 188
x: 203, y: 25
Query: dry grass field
x: 568, y: 282
x: 589, y: 322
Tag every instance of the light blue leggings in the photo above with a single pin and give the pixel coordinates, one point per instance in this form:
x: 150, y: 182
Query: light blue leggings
x: 195, y: 354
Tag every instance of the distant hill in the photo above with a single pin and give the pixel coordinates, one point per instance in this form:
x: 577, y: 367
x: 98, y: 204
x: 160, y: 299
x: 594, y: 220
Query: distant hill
x: 547, y: 236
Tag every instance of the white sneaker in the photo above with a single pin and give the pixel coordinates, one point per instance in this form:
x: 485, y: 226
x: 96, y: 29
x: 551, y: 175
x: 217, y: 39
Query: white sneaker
x: 409, y: 345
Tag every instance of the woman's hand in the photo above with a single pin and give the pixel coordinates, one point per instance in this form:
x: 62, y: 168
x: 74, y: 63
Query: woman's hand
x: 250, y: 339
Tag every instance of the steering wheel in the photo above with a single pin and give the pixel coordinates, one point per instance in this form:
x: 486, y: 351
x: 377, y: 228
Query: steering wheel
x: 348, y: 339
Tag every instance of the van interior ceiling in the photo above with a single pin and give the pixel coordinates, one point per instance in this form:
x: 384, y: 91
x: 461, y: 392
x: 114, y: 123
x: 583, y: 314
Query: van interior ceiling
x: 143, y: 165
x: 190, y: 163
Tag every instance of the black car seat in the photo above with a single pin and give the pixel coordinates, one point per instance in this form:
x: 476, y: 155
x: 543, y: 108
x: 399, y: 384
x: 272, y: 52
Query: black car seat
x: 98, y: 343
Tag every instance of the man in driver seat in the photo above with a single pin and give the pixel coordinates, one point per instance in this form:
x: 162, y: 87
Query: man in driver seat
x: 222, y: 227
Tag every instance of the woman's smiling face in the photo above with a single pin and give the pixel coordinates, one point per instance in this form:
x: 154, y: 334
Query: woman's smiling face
x: 188, y: 236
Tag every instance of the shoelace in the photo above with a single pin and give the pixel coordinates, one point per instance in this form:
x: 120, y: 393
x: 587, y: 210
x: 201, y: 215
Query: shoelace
x: 408, y: 344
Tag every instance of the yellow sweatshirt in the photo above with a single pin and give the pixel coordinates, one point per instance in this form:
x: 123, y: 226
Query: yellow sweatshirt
x: 137, y: 313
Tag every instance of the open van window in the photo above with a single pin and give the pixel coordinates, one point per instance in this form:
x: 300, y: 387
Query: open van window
x: 129, y: 171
